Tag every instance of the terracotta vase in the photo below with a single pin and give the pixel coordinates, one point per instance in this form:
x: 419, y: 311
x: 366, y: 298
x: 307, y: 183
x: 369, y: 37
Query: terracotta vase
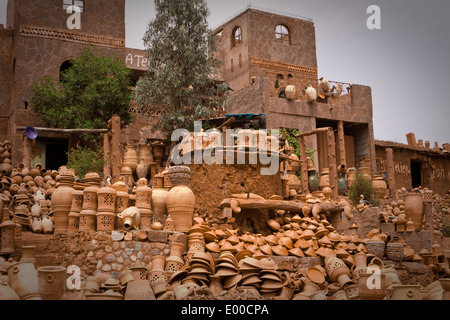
x: 394, y: 250
x: 52, y: 282
x: 313, y: 181
x: 180, y: 199
x: 28, y: 254
x: 106, y: 199
x: 130, y: 156
x: 414, y: 209
x: 61, y: 203
x: 366, y: 172
x: 139, y: 290
x: 142, y: 169
x: 372, y: 289
x: 146, y: 154
x: 379, y: 186
x: 159, y: 197
x: 23, y: 279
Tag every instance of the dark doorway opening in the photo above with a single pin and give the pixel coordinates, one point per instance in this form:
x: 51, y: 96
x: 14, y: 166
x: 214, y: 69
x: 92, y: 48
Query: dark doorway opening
x: 56, y: 155
x: 416, y: 173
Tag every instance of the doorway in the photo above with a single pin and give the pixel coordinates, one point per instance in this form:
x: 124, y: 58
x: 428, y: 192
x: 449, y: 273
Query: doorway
x: 55, y: 155
x: 416, y: 173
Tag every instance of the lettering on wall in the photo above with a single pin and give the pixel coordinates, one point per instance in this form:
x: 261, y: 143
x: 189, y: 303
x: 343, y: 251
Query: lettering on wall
x: 439, y: 173
x: 136, y: 60
x: 398, y: 167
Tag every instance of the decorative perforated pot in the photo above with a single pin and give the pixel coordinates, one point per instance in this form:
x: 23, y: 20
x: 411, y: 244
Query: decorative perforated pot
x: 61, y: 203
x: 74, y: 215
x: 106, y: 198
x: 105, y: 221
x: 144, y: 204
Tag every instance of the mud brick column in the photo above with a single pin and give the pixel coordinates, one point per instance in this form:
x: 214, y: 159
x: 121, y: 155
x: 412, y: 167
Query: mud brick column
x: 304, y: 165
x: 428, y: 212
x: 390, y: 172
x: 341, y: 141
x: 107, y: 155
x: 115, y: 147
x: 27, y: 150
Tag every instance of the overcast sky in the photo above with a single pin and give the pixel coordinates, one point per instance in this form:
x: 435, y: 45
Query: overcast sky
x: 407, y: 62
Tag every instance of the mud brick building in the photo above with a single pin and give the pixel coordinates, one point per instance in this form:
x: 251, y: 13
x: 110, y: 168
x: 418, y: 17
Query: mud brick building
x: 37, y: 42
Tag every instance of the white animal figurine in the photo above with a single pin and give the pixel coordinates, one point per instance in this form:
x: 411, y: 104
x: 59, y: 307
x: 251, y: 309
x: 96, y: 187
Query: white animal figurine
x: 325, y: 85
x: 311, y: 94
x: 131, y: 218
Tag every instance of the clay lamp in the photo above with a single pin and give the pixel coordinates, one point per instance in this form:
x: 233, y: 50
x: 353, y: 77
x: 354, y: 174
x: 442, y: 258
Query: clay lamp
x: 169, y: 224
x: 410, y: 227
x: 139, y: 270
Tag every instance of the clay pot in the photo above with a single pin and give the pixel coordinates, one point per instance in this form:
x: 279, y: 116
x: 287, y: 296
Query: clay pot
x: 180, y: 199
x: 369, y: 290
x: 23, y: 279
x: 92, y: 285
x: 130, y: 157
x: 337, y: 270
x: 28, y: 254
x: 352, y: 292
x: 61, y: 203
x: 313, y: 181
x: 6, y: 169
x: 405, y: 292
x: 342, y: 184
x: 391, y: 276
x: 6, y: 292
x: 106, y: 199
x: 360, y: 260
x: 47, y: 224
x: 414, y: 209
x: 445, y: 283
x: 139, y: 290
x: 144, y: 204
x: 394, y: 251
x: 379, y: 186
x: 52, y: 282
x: 142, y: 169
x: 145, y: 154
x: 158, y: 263
x: 376, y: 247
x: 290, y: 92
x: 365, y: 172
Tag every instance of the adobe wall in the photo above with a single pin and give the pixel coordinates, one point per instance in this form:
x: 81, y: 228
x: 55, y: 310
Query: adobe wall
x: 263, y: 45
x: 99, y: 17
x: 435, y: 167
x: 6, y: 67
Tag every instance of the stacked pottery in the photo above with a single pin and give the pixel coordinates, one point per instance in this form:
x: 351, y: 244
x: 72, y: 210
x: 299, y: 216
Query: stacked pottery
x: 139, y: 271
x: 144, y: 204
x: 61, y: 202
x: 250, y: 268
x: 376, y: 246
x: 106, y: 198
x: 199, y: 268
x: 272, y: 283
x: 122, y: 201
x: 75, y: 209
x: 180, y: 199
x: 52, y: 282
x: 89, y: 210
x: 7, y: 228
x: 159, y: 196
x: 157, y: 275
x: 324, y: 178
x: 23, y: 279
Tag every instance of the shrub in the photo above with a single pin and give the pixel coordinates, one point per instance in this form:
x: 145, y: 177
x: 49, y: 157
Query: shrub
x: 84, y: 160
x: 363, y: 186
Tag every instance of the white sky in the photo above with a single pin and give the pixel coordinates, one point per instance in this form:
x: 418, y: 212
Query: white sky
x: 406, y: 62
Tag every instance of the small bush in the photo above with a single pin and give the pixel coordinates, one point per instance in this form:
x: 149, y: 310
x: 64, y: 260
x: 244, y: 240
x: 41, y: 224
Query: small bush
x: 84, y: 160
x: 363, y: 186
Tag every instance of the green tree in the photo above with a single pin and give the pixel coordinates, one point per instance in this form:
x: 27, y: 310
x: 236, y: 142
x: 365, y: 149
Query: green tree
x: 182, y: 83
x: 88, y: 94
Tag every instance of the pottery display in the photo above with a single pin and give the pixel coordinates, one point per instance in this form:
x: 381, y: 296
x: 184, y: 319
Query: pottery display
x: 61, y: 203
x: 180, y: 199
x: 52, y: 282
x: 414, y: 209
x: 144, y: 204
x: 158, y: 200
x: 130, y: 156
x: 376, y: 247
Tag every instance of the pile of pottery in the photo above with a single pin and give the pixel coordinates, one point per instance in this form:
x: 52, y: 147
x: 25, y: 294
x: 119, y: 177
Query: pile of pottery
x: 5, y: 152
x: 143, y: 159
x: 22, y: 280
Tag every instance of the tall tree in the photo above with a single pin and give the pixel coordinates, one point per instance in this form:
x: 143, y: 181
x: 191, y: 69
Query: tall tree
x: 88, y: 94
x: 182, y: 82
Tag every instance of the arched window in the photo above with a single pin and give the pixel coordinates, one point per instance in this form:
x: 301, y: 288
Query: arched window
x: 282, y: 33
x: 236, y: 37
x: 64, y: 66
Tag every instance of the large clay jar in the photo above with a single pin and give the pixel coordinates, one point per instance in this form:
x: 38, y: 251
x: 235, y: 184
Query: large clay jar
x: 159, y: 196
x: 372, y: 286
x: 379, y: 186
x: 62, y: 201
x: 414, y: 209
x: 394, y: 250
x: 376, y: 247
x: 52, y: 282
x: 324, y: 178
x: 342, y: 184
x: 337, y: 270
x: 23, y: 279
x: 142, y: 169
x: 366, y: 172
x: 129, y: 156
x: 180, y: 199
x: 313, y: 181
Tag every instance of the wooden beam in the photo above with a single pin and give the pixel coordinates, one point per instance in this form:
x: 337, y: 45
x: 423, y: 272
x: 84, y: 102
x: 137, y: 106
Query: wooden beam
x: 316, y: 131
x: 115, y: 148
x: 303, y: 165
x: 341, y: 143
x: 107, y: 155
x: 66, y: 130
x: 331, y: 144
